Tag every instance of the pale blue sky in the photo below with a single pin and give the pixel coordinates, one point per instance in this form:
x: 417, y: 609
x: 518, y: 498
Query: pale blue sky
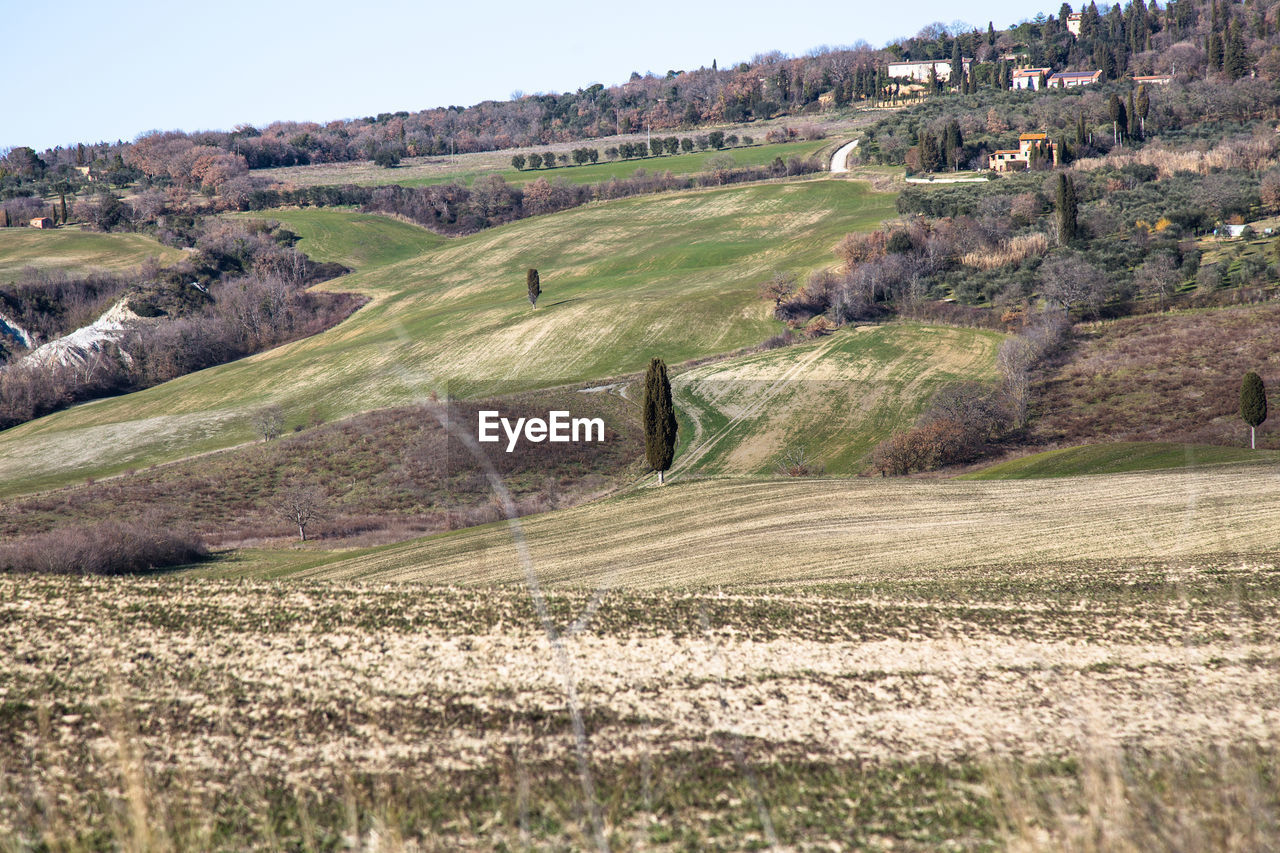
x: 90, y: 71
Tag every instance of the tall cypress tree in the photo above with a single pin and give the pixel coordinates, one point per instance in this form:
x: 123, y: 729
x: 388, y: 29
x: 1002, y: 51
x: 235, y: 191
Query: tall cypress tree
x: 659, y: 419
x: 1253, y: 404
x: 1068, y: 210
x: 534, y: 284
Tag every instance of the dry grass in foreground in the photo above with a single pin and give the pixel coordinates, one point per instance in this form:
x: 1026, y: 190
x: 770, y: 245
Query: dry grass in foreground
x: 973, y: 710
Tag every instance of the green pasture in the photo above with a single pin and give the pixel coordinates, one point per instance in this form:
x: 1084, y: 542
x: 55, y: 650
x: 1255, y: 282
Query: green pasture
x: 673, y: 275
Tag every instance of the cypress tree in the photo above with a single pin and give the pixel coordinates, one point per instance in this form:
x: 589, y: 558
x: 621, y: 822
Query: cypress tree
x: 659, y: 419
x: 532, y: 281
x: 1253, y: 404
x: 6, y: 217
x: 1133, y: 119
x: 1215, y: 52
x: 1068, y: 209
x: 1143, y: 106
x: 64, y: 208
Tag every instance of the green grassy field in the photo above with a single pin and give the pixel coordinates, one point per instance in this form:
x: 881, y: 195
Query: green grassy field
x: 465, y: 169
x: 752, y: 534
x: 830, y: 401
x: 75, y: 251
x: 1119, y: 457
x: 672, y: 275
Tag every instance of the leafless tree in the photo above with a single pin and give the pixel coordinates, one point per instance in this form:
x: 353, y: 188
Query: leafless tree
x: 779, y: 288
x: 302, y: 505
x: 1071, y: 281
x: 1014, y: 361
x: 268, y: 421
x: 1157, y: 277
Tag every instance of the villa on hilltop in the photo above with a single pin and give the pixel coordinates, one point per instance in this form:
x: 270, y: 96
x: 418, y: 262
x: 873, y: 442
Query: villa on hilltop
x: 912, y: 70
x: 1031, y: 78
x: 1067, y: 79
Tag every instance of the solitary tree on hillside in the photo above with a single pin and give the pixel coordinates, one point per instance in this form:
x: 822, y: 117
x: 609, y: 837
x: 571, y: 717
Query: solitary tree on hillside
x: 1253, y: 404
x: 780, y: 287
x: 1068, y: 210
x: 534, y: 284
x: 267, y: 421
x: 301, y: 505
x: 659, y: 419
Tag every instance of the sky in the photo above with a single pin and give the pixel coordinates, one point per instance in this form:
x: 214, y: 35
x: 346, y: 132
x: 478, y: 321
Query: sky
x: 95, y: 71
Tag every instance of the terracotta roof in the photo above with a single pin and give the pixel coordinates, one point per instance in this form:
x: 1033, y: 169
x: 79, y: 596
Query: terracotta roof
x: 1031, y: 72
x: 1033, y: 136
x: 1008, y: 151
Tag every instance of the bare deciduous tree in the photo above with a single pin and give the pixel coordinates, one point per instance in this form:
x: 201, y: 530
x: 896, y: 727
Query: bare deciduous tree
x: 779, y: 288
x: 1157, y: 278
x: 268, y: 421
x: 302, y: 505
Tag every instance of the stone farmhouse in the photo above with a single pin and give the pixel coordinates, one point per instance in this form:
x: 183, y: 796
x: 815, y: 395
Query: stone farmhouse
x: 1073, y: 24
x: 1019, y: 159
x: 42, y: 222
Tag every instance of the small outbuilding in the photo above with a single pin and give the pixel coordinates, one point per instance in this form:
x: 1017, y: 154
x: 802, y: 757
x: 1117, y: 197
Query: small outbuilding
x: 42, y: 222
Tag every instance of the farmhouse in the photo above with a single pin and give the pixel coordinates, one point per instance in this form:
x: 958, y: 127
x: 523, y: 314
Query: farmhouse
x: 1155, y: 79
x: 1031, y: 78
x: 1019, y: 159
x: 920, y: 70
x: 42, y: 222
x: 1067, y: 79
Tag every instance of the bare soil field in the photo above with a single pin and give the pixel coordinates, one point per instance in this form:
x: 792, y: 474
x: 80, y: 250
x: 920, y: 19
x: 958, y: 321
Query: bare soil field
x: 962, y: 710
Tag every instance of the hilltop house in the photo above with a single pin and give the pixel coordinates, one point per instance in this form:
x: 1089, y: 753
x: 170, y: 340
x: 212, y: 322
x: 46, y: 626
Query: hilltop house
x: 1019, y: 159
x: 1067, y: 79
x: 911, y: 70
x: 1031, y: 78
x: 1073, y: 23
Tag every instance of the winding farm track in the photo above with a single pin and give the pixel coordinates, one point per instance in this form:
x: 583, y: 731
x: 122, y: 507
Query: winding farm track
x: 840, y: 159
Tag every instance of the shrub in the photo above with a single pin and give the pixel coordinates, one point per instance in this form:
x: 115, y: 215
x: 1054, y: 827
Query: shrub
x: 108, y: 548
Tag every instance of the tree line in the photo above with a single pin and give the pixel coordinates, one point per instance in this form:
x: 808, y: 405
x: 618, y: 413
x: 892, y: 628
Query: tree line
x: 455, y: 208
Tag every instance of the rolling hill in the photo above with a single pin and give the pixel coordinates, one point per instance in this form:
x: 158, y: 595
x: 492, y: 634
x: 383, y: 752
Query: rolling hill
x: 73, y: 251
x: 671, y: 275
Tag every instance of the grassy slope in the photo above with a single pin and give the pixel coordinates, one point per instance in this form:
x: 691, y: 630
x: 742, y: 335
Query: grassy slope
x: 438, y: 170
x: 73, y: 250
x: 832, y: 399
x: 673, y: 274
x: 698, y: 534
x: 1117, y: 458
